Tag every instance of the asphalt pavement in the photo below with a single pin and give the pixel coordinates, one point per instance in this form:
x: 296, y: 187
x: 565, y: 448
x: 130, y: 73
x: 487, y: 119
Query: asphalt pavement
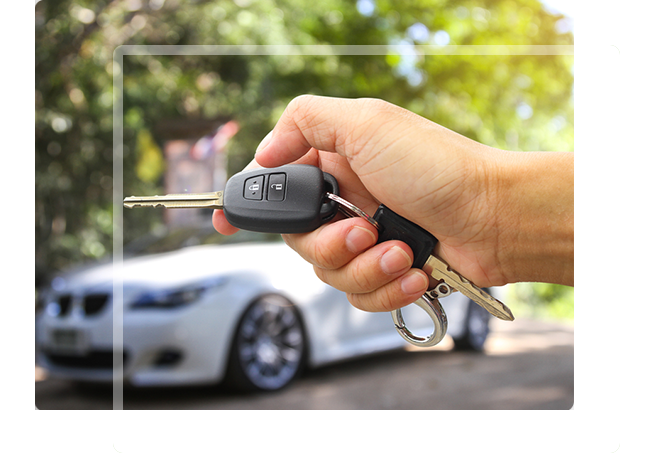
x: 527, y: 364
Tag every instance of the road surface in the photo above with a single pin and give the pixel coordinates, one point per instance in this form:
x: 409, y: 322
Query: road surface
x: 527, y: 364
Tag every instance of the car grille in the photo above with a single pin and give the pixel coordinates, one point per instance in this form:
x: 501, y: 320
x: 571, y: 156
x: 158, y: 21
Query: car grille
x: 96, y: 359
x: 92, y: 304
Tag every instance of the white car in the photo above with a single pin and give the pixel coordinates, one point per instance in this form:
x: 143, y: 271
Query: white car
x: 253, y: 314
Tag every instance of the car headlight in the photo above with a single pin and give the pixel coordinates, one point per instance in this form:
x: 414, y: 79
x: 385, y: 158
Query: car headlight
x: 176, y: 297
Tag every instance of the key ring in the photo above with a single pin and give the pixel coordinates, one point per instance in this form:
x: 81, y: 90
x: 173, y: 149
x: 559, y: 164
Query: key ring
x: 433, y: 307
x: 429, y: 302
x: 350, y: 210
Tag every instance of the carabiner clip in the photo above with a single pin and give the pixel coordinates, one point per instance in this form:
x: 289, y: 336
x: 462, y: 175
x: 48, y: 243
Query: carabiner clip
x: 430, y: 303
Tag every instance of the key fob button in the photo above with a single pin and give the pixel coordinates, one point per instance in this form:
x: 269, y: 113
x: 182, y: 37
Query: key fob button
x: 295, y: 203
x: 277, y: 187
x: 253, y: 188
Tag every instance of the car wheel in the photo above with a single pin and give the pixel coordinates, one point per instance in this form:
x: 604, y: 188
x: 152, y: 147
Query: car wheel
x: 476, y: 329
x: 269, y: 346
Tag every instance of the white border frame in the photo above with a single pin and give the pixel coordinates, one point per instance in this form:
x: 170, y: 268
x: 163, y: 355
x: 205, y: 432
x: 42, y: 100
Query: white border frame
x: 118, y: 133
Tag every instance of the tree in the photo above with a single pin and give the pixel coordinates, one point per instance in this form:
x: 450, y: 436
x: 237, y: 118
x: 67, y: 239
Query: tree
x: 515, y: 102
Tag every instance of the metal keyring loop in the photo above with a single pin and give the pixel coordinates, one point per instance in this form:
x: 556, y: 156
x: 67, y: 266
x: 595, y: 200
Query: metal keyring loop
x: 429, y: 303
x: 350, y: 210
x: 433, y: 307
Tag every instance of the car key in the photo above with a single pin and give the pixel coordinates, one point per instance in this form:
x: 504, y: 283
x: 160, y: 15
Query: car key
x: 300, y: 198
x: 392, y: 226
x: 289, y: 199
x: 422, y: 243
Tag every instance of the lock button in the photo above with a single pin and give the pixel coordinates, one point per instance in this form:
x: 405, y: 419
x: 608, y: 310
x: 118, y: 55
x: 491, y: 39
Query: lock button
x: 253, y: 188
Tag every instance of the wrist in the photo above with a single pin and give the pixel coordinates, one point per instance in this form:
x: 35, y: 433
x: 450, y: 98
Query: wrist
x: 535, y: 216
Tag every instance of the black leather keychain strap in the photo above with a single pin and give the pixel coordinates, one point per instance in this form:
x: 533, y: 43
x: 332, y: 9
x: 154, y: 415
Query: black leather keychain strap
x: 396, y: 227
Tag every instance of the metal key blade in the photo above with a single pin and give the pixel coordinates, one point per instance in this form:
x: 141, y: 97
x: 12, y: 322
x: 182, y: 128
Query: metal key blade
x: 440, y: 270
x: 212, y: 200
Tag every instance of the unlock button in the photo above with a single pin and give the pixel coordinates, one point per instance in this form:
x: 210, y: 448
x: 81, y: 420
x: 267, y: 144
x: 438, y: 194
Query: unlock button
x: 277, y: 187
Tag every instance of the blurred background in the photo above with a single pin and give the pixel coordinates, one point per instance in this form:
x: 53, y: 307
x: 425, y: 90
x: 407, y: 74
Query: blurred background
x: 190, y: 122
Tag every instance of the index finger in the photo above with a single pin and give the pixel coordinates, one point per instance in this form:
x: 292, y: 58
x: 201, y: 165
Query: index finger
x: 308, y: 121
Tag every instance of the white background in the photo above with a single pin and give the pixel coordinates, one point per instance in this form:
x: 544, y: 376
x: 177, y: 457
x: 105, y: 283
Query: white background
x: 611, y: 317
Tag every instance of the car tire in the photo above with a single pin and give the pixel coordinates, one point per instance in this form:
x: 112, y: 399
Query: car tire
x: 476, y: 329
x: 269, y: 346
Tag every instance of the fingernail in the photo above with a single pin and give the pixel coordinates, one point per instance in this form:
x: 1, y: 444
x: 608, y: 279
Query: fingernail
x: 359, y: 239
x: 265, y: 141
x: 414, y: 283
x: 395, y: 261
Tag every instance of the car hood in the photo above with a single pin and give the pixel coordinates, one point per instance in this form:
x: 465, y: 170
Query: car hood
x: 188, y: 265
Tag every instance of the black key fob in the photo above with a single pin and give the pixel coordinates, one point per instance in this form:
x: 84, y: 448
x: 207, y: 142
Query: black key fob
x: 288, y: 199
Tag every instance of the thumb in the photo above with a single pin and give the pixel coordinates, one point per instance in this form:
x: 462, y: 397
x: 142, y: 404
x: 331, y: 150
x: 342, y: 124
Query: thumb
x: 344, y: 126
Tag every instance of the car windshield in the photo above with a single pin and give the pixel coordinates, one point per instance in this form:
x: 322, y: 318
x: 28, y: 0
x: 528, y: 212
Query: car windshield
x: 163, y: 239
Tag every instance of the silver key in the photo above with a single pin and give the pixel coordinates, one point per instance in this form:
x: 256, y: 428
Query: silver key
x: 287, y: 199
x: 212, y: 200
x: 440, y: 270
x: 449, y: 281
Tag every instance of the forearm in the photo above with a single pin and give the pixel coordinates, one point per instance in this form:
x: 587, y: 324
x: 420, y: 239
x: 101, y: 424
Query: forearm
x: 536, y: 216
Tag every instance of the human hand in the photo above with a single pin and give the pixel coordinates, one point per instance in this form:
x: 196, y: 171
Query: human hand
x: 466, y: 194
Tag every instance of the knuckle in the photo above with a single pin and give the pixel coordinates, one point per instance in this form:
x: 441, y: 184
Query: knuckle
x: 301, y: 100
x: 290, y: 241
x: 321, y: 274
x: 376, y: 301
x: 301, y: 245
x: 359, y: 277
x: 299, y: 108
x: 323, y: 255
x: 386, y: 301
x: 357, y: 301
x: 373, y: 118
x: 375, y: 106
x: 371, y: 103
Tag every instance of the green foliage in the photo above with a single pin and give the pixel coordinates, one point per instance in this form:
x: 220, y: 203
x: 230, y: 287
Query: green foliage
x: 542, y: 300
x: 514, y: 102
x: 150, y: 161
